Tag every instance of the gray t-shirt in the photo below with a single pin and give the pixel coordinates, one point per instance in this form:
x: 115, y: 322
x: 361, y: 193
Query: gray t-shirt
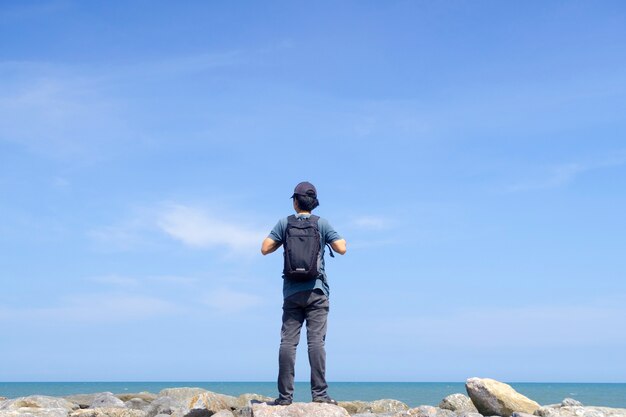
x: 327, y: 235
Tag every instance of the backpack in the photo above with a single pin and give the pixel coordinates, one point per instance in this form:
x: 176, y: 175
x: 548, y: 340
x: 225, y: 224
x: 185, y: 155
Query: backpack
x: 302, y: 249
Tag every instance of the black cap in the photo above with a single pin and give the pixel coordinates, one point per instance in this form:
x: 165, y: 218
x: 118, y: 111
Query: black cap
x: 305, y: 188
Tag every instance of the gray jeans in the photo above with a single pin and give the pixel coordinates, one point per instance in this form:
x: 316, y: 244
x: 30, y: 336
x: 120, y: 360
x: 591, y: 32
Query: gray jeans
x: 311, y: 306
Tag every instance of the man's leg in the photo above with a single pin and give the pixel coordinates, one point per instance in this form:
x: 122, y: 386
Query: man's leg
x: 293, y: 317
x: 316, y: 324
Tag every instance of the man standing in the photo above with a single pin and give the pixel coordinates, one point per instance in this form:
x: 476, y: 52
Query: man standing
x: 305, y: 290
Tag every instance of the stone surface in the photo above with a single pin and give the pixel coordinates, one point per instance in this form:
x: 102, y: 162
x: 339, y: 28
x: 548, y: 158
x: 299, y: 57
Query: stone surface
x: 384, y: 406
x: 578, y: 411
x: 467, y: 414
x: 355, y: 407
x: 244, y: 399
x: 107, y: 412
x: 107, y: 400
x: 458, y: 403
x: 184, y: 394
x: 571, y: 402
x: 167, y: 406
x: 299, y: 410
x: 83, y: 400
x: 210, y: 403
x: 34, y: 412
x: 387, y: 406
x: 224, y: 413
x: 427, y: 411
x: 518, y: 414
x: 137, y: 404
x: 144, y: 395
x: 492, y: 397
x: 38, y: 401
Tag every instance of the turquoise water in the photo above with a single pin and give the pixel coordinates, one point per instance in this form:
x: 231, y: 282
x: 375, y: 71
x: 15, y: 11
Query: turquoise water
x: 412, y: 393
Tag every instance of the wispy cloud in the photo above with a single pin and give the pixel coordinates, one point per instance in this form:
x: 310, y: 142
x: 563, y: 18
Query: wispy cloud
x: 200, y: 228
x: 115, y: 280
x: 526, y: 326
x: 371, y: 222
x: 227, y: 301
x: 563, y: 174
x: 95, y: 308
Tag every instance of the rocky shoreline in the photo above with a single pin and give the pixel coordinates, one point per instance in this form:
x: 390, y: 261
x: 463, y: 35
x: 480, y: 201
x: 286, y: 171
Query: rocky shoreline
x: 485, y: 397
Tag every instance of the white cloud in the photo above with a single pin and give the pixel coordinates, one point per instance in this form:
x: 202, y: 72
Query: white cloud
x: 227, y: 301
x: 116, y: 280
x: 562, y: 174
x: 95, y: 308
x: 201, y: 229
x: 538, y: 326
x: 371, y: 222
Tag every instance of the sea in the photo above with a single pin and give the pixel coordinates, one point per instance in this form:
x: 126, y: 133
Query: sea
x: 411, y: 393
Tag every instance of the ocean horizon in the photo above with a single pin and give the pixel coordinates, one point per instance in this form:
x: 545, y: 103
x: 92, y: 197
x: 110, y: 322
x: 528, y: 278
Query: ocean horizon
x: 412, y: 393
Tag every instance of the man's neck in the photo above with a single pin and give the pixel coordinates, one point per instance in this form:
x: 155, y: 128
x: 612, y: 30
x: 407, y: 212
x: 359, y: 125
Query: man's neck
x: 302, y: 212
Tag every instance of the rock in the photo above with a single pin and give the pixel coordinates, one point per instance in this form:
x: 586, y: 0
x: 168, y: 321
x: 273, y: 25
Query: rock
x: 184, y: 394
x: 428, y: 411
x: 107, y: 412
x: 144, y: 395
x: 209, y: 403
x: 518, y: 414
x: 571, y: 402
x: 298, y: 410
x: 492, y: 397
x: 83, y: 400
x: 578, y: 411
x: 137, y: 404
x: 244, y: 399
x: 458, y: 403
x: 167, y: 406
x: 467, y: 414
x: 35, y: 412
x: 38, y: 401
x: 107, y: 400
x: 224, y: 413
x: 355, y: 407
x: 385, y: 406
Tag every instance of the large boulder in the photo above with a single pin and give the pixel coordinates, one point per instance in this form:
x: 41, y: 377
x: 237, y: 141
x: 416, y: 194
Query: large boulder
x: 492, y: 397
x: 107, y: 400
x: 428, y: 411
x: 355, y: 407
x: 107, y: 412
x: 184, y: 394
x: 384, y: 406
x: 458, y: 403
x: 209, y: 403
x: 38, y: 401
x: 298, y: 410
x: 387, y: 406
x: 35, y: 412
x: 578, y: 411
x: 244, y: 399
x: 144, y: 395
x: 83, y: 400
x: 137, y: 404
x: 224, y: 413
x: 167, y: 406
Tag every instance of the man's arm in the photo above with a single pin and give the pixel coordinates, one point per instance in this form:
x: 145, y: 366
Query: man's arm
x: 339, y: 246
x: 269, y: 245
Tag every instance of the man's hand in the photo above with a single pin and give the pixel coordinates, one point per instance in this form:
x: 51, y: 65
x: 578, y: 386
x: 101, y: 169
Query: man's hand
x: 339, y: 246
x: 269, y: 245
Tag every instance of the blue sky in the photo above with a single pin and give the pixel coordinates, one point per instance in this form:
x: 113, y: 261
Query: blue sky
x: 473, y: 155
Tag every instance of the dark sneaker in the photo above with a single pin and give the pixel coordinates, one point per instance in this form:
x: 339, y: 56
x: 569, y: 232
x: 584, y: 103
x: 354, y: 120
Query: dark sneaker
x: 278, y: 401
x: 326, y: 400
